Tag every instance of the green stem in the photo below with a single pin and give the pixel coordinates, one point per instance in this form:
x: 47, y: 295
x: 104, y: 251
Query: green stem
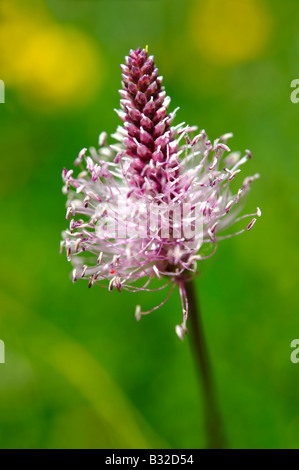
x: 213, y: 422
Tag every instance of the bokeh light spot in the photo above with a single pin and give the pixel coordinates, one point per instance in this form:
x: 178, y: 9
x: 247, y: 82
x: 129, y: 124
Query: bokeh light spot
x: 227, y: 32
x: 53, y: 65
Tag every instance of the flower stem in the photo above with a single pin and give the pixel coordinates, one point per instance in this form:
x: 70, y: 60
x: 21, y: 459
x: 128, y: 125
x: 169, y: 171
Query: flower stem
x: 213, y: 422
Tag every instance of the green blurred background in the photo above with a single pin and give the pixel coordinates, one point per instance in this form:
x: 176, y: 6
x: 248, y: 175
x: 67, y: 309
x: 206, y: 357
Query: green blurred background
x: 80, y: 371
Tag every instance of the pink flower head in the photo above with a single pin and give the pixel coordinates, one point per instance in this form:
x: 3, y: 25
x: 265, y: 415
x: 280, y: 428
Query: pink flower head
x: 144, y: 207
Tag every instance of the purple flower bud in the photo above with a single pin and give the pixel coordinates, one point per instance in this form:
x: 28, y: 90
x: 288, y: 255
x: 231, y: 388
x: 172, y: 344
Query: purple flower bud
x: 122, y: 116
x: 133, y: 130
x: 130, y: 144
x: 159, y: 100
x: 132, y: 88
x: 149, y: 108
x: 143, y: 151
x: 160, y: 114
x: 148, y: 66
x: 134, y: 114
x: 159, y: 129
x: 154, y: 74
x: 138, y: 164
x: 125, y: 103
x: 158, y: 156
x: 140, y: 99
x: 151, y: 89
x: 125, y: 79
x: 144, y: 82
x: 146, y: 138
x: 162, y: 141
x: 146, y: 123
x: 124, y: 69
x: 124, y: 94
x: 135, y: 72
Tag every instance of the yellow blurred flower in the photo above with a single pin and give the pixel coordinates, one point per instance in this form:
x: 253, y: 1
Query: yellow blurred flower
x: 230, y: 31
x: 54, y: 65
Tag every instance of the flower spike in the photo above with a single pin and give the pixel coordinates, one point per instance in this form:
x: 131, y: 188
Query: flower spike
x: 144, y: 206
